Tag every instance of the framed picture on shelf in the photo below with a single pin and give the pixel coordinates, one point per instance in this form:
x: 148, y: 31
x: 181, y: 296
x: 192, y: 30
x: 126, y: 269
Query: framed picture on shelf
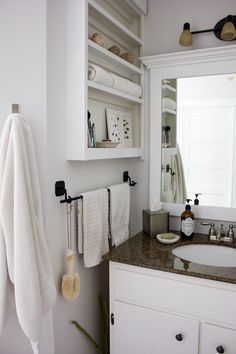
x: 119, y: 127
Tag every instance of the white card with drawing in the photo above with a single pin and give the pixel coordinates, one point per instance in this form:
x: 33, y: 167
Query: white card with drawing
x: 119, y: 126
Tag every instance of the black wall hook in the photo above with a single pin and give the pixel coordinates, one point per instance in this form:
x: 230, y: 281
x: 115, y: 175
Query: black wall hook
x: 126, y: 178
x: 60, y: 190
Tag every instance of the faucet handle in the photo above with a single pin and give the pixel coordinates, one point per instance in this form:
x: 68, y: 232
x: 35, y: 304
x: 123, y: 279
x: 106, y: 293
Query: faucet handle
x: 212, y: 231
x: 230, y: 233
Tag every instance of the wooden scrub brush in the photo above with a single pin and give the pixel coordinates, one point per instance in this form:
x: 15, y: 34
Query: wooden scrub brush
x: 70, y: 280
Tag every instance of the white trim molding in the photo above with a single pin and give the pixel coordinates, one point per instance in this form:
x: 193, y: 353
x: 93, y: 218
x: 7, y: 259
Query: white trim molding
x: 212, y: 61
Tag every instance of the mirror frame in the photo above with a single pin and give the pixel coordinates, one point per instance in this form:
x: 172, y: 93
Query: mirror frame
x: 201, y: 62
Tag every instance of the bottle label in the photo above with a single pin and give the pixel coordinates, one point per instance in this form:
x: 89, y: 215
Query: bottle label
x: 187, y: 226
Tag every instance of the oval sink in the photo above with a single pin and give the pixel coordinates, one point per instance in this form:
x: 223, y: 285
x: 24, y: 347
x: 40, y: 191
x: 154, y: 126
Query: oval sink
x: 212, y: 255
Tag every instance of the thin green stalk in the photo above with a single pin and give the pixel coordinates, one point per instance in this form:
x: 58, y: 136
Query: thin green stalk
x: 87, y: 335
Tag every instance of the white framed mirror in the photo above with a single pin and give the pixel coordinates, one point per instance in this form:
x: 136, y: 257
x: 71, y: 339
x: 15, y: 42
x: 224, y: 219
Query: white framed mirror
x: 172, y: 70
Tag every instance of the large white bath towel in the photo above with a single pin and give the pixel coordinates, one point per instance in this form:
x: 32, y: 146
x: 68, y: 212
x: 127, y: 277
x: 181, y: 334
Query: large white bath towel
x: 99, y: 75
x: 119, y: 213
x: 95, y: 226
x: 127, y: 86
x: 21, y: 219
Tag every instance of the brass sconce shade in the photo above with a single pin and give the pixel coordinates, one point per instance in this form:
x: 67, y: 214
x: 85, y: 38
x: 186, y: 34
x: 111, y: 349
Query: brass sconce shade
x: 186, y: 36
x: 228, y: 32
x: 223, y: 30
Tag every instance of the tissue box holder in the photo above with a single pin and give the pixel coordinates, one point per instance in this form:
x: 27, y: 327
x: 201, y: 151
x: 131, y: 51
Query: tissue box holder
x: 155, y: 222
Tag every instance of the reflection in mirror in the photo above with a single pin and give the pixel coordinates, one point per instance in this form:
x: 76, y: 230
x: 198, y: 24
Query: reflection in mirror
x: 198, y: 140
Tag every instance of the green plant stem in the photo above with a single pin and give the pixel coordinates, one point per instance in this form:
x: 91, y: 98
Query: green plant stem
x: 80, y: 328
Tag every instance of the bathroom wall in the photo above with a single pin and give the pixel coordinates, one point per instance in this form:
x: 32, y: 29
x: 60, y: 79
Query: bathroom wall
x: 33, y: 74
x: 23, y: 81
x: 165, y: 20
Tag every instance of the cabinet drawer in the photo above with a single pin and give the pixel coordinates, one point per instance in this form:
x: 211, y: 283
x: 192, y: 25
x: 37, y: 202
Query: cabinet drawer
x: 215, y: 339
x: 139, y: 330
x: 180, y: 294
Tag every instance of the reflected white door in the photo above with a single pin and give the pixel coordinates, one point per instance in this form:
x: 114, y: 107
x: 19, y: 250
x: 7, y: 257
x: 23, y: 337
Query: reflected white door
x: 207, y: 152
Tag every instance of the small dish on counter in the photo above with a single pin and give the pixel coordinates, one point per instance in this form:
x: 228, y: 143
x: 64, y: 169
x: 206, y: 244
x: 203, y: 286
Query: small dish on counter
x: 167, y: 237
x: 107, y: 144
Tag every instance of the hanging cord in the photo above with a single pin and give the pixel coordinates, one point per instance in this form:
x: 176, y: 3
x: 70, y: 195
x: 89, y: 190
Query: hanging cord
x: 68, y: 212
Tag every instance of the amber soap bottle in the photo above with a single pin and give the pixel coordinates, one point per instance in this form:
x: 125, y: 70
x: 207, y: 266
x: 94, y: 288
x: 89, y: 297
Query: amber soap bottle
x: 187, y: 222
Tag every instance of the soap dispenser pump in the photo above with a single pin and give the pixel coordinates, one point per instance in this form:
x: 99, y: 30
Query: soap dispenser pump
x: 196, y: 200
x: 187, y: 222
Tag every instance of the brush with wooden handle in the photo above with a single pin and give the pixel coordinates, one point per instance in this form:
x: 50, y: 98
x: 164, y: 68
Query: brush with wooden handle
x: 70, y: 280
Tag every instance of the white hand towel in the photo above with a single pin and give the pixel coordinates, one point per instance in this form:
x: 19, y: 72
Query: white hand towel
x: 29, y: 266
x: 99, y: 75
x: 119, y: 213
x: 80, y: 225
x: 95, y: 226
x: 127, y: 86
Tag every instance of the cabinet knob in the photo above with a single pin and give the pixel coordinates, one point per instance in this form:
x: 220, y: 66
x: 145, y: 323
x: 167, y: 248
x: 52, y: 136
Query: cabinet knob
x: 220, y: 349
x: 179, y: 337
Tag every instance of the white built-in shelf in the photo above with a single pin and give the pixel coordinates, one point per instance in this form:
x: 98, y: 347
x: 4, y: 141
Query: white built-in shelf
x: 113, y: 92
x: 166, y: 110
x: 111, y: 153
x: 96, y: 11
x: 168, y: 87
x: 96, y: 49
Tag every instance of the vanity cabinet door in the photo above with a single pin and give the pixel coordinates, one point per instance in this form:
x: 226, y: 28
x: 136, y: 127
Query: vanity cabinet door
x: 140, y: 330
x: 215, y: 339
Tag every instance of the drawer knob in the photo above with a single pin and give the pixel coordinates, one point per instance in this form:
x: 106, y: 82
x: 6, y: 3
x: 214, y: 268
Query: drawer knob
x: 179, y: 337
x: 220, y: 349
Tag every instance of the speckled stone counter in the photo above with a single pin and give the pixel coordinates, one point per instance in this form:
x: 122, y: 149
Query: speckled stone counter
x: 143, y: 251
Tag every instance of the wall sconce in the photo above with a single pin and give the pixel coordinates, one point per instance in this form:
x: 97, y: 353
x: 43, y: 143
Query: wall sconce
x: 223, y: 30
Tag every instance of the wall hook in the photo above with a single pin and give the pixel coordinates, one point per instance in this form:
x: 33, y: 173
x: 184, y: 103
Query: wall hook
x: 126, y: 178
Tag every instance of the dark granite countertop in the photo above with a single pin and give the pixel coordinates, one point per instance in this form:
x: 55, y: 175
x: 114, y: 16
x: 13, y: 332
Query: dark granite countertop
x: 144, y: 251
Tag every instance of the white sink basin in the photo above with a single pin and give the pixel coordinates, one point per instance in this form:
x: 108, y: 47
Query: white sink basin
x: 212, y: 255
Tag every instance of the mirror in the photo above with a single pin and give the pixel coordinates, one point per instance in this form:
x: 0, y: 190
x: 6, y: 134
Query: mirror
x: 198, y: 140
x: 185, y: 64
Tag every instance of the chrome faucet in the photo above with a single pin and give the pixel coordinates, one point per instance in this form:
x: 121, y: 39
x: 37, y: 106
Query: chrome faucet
x: 230, y: 234
x: 220, y: 235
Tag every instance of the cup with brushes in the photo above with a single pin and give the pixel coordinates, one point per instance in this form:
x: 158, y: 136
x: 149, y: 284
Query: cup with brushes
x: 70, y: 280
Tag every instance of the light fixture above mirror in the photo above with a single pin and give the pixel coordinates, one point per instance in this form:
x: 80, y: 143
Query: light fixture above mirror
x: 223, y: 30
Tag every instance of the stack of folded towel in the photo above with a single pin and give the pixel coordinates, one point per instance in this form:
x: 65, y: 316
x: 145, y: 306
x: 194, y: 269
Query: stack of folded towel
x: 95, y: 219
x: 101, y: 76
x: 168, y: 103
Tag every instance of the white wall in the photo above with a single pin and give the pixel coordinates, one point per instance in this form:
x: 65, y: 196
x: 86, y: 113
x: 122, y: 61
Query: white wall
x: 165, y: 20
x: 23, y: 81
x: 25, y: 28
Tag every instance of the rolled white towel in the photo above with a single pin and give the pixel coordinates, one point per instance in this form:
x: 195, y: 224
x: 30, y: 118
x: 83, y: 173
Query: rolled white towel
x: 127, y: 86
x: 99, y: 75
x: 168, y: 103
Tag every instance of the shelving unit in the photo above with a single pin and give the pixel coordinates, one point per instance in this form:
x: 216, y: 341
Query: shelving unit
x: 119, y: 25
x: 169, y: 90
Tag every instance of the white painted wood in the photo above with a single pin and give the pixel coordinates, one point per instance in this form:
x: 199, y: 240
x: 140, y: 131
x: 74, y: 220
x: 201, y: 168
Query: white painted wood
x: 77, y: 18
x: 147, y: 302
x: 116, y: 25
x: 113, y: 153
x: 193, y: 63
x: 111, y: 91
x: 139, y: 330
x: 81, y: 92
x: 212, y: 337
x: 113, y: 58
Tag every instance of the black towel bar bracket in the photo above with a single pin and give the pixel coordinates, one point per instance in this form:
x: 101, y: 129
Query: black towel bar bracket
x: 60, y: 189
x: 126, y: 178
